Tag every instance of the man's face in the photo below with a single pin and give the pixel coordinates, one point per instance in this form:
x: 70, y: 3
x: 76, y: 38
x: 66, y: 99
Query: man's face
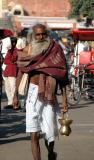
x: 40, y: 41
x: 40, y: 34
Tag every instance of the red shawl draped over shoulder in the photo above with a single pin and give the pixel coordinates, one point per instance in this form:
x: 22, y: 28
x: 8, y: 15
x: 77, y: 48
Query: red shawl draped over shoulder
x: 51, y: 62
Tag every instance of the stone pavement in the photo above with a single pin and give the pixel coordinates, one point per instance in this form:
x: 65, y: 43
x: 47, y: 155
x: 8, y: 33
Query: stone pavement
x: 79, y: 145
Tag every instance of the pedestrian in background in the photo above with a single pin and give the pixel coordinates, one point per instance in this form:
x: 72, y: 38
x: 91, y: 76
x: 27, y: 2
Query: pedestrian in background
x: 10, y: 72
x: 21, y: 41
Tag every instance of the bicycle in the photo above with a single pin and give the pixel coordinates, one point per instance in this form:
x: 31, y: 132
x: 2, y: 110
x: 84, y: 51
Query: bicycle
x: 81, y: 84
x: 73, y: 89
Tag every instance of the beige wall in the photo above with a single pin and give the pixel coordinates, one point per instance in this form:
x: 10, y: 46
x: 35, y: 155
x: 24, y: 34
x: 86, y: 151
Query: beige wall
x: 0, y: 8
x: 3, y: 5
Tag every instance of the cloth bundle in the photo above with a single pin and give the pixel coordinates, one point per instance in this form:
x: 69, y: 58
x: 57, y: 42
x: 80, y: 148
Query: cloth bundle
x: 22, y: 90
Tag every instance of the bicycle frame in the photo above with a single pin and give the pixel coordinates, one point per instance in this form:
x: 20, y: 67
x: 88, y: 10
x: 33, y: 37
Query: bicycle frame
x: 75, y: 71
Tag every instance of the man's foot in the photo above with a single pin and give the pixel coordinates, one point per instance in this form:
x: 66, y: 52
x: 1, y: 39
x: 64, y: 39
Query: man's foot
x: 8, y: 107
x: 52, y: 156
x: 16, y: 108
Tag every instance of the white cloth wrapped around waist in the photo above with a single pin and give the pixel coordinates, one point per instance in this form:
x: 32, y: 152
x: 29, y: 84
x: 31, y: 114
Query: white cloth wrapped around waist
x: 40, y: 116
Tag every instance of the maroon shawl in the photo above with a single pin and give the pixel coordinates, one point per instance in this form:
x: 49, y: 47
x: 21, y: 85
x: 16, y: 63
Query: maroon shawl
x: 51, y: 62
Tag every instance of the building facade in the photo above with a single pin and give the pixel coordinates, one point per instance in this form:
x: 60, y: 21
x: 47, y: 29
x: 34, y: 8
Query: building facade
x: 45, y: 8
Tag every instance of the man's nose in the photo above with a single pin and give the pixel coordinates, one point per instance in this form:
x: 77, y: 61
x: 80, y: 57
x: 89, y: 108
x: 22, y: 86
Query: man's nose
x: 41, y: 36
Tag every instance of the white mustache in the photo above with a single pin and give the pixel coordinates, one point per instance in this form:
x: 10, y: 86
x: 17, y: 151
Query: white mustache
x: 44, y: 40
x: 39, y: 46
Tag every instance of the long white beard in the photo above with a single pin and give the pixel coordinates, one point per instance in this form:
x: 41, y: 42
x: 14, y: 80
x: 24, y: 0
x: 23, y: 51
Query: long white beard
x: 39, y: 46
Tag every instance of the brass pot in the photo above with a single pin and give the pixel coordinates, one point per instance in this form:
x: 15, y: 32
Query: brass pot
x: 65, y: 126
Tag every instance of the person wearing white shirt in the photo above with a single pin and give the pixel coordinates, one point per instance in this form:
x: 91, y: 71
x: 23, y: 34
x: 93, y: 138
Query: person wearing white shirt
x: 21, y: 42
x: 6, y: 45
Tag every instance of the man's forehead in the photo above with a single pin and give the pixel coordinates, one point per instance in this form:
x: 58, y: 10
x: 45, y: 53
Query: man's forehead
x: 39, y: 29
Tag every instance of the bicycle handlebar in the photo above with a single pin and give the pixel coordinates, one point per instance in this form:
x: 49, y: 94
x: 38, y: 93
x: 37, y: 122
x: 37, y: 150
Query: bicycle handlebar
x: 85, y: 65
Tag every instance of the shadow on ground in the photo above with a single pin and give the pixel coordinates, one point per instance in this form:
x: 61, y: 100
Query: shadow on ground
x: 12, y: 125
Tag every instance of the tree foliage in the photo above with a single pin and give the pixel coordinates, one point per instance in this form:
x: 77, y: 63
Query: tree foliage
x: 82, y: 7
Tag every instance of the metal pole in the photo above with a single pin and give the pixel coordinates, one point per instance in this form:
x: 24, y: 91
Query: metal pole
x: 0, y: 82
x: 1, y: 59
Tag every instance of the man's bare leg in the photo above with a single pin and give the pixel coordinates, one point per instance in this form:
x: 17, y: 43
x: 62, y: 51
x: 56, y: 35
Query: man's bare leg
x: 35, y: 146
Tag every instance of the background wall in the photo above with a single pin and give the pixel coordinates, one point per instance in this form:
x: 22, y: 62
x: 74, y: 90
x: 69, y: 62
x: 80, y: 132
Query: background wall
x: 49, y: 8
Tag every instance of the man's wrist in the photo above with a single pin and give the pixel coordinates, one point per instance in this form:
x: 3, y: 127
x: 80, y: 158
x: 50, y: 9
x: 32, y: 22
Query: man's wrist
x: 16, y: 93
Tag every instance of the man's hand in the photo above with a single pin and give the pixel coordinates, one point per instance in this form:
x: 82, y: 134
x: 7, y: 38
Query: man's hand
x: 64, y: 109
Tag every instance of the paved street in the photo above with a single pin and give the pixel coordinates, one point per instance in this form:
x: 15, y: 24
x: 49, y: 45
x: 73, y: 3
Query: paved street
x: 15, y: 143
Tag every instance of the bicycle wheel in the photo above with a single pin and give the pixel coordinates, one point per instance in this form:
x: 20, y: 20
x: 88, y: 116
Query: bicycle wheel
x: 73, y: 94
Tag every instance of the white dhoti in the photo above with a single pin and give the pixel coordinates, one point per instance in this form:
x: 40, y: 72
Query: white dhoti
x: 10, y: 84
x: 40, y: 117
